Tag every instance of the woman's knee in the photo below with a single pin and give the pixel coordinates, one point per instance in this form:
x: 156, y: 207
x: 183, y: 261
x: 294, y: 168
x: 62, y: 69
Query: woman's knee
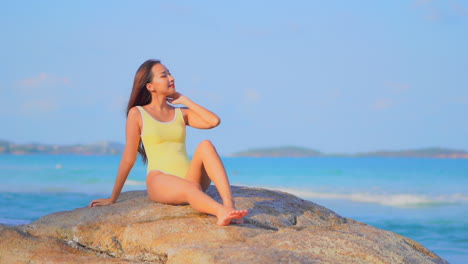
x: 206, y: 145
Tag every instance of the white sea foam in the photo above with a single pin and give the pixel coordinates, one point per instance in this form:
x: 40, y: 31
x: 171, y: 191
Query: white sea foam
x: 13, y: 222
x: 396, y: 200
x: 133, y: 182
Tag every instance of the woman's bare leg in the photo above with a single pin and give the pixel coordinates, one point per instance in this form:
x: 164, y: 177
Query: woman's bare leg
x: 206, y: 166
x: 170, y: 189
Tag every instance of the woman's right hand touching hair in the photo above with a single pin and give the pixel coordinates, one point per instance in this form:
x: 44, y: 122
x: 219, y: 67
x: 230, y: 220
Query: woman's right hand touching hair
x: 100, y: 202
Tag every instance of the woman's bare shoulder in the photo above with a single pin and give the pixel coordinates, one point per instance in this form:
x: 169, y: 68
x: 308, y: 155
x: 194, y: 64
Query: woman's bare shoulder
x: 133, y: 111
x: 134, y: 114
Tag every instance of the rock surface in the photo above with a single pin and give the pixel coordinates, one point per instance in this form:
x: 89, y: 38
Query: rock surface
x: 280, y: 228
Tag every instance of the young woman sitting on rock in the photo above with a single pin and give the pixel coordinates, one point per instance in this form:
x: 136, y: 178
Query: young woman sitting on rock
x: 171, y: 177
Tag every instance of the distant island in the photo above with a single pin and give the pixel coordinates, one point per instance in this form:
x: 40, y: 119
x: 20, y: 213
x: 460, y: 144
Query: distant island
x: 115, y: 148
x: 98, y: 148
x: 289, y: 151
x: 292, y: 151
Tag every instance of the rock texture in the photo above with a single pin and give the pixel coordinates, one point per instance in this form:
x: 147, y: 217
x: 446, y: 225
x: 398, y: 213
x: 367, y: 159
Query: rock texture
x: 280, y: 228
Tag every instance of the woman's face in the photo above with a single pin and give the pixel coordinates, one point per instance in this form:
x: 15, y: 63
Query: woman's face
x: 163, y: 82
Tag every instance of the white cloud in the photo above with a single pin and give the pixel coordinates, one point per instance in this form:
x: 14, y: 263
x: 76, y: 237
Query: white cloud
x: 294, y: 27
x: 334, y: 94
x: 34, y: 81
x: 430, y: 10
x: 398, y: 87
x: 251, y: 96
x: 459, y: 8
x: 382, y: 103
x: 255, y: 32
x: 177, y: 9
x: 35, y: 107
x: 440, y: 10
x: 210, y: 98
x: 43, y: 79
x: 461, y: 100
x: 118, y: 103
x: 42, y: 93
x: 196, y: 79
x: 422, y: 2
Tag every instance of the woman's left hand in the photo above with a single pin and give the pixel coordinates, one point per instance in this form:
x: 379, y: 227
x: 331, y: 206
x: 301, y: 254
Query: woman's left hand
x: 177, y: 98
x: 100, y: 202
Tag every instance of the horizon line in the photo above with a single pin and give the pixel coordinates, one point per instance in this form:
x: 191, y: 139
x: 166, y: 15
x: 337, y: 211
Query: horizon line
x: 250, y: 148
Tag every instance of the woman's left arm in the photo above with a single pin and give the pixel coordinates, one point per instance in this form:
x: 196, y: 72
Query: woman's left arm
x: 196, y: 115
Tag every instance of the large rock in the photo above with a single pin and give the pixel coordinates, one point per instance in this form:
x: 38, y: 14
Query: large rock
x: 280, y: 228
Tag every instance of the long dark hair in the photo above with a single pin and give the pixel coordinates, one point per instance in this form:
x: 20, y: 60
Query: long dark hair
x: 140, y: 95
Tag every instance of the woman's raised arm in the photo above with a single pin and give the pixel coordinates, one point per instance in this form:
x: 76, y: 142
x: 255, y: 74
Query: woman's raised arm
x: 196, y: 115
x: 133, y: 131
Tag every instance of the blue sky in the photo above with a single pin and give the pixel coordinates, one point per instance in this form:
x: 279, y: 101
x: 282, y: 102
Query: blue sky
x: 337, y: 76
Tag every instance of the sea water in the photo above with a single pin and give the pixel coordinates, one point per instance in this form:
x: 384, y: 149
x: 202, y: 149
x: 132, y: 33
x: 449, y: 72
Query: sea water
x: 423, y: 199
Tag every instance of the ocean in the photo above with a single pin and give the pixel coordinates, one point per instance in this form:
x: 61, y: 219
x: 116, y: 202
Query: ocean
x: 423, y: 199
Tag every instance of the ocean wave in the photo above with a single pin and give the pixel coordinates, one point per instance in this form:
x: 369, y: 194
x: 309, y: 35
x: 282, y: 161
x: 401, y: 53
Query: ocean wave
x: 133, y: 182
x: 14, y: 222
x: 395, y: 200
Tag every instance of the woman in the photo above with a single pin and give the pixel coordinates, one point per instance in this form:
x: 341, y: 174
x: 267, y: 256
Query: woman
x: 171, y: 177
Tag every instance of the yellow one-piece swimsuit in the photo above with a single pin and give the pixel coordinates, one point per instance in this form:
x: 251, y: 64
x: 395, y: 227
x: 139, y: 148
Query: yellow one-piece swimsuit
x: 164, y: 143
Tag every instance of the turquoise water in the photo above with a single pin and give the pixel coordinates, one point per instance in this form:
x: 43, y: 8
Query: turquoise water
x: 423, y: 199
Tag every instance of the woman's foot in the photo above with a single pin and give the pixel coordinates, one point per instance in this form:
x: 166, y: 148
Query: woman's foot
x: 231, y: 215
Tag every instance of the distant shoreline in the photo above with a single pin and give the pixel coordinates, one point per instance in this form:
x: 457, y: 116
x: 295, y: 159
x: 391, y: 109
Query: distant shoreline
x: 98, y: 148
x: 115, y: 148
x: 293, y: 151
